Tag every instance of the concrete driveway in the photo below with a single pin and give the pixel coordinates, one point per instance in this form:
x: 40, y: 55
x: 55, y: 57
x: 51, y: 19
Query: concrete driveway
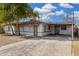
x: 45, y: 46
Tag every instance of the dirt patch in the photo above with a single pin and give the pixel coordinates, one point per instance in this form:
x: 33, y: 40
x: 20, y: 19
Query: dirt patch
x: 75, y: 46
x: 41, y: 47
x: 9, y: 39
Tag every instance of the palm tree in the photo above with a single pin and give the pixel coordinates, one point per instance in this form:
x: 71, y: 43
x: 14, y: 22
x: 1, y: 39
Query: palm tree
x: 13, y: 12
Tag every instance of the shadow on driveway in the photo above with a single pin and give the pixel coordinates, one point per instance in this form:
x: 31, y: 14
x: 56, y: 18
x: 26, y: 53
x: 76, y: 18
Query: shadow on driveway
x: 51, y: 37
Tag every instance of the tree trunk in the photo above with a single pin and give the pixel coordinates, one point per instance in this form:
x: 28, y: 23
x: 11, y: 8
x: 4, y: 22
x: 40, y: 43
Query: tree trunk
x: 11, y: 28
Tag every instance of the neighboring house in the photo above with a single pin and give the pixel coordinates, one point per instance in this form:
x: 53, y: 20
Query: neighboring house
x: 37, y: 28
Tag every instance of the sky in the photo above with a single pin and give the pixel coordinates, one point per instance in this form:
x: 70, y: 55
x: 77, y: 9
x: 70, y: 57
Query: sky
x: 56, y: 12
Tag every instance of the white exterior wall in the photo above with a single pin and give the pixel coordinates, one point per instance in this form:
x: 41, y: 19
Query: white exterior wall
x: 8, y: 29
x: 52, y: 30
x: 27, y: 31
x: 41, y: 30
x: 68, y: 31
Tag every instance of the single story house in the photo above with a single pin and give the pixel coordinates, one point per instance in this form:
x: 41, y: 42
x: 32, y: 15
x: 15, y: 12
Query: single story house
x: 37, y: 28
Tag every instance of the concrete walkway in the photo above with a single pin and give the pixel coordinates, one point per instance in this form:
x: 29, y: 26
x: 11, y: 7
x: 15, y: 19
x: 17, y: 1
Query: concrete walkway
x: 54, y: 46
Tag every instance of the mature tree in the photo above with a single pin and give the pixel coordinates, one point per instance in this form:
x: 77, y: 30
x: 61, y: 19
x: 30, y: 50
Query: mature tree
x: 14, y: 11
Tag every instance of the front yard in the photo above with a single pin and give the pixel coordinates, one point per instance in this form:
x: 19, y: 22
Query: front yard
x: 75, y: 46
x: 49, y: 45
x: 7, y: 39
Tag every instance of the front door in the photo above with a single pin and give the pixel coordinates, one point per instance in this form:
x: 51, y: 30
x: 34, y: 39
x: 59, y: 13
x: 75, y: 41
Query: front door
x: 56, y: 30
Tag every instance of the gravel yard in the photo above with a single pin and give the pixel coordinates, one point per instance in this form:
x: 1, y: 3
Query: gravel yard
x: 5, y: 39
x: 45, y: 46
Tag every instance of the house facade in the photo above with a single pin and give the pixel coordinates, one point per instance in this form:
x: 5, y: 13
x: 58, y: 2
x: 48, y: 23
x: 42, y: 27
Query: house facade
x: 35, y: 28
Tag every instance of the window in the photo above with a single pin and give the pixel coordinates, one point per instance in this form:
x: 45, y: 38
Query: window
x: 63, y: 27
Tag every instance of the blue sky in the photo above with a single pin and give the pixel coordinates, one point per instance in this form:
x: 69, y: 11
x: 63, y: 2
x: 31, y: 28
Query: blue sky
x: 60, y: 8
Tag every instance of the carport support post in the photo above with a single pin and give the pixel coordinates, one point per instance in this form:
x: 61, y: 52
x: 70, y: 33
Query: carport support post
x: 73, y: 26
x: 35, y: 30
x: 72, y: 51
x: 72, y: 31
